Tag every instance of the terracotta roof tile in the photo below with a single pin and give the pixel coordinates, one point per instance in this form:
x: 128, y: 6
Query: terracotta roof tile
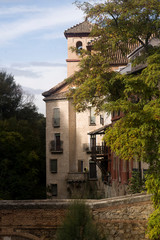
x: 84, y: 27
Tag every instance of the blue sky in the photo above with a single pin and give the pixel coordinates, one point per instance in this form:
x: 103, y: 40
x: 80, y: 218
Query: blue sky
x: 32, y: 44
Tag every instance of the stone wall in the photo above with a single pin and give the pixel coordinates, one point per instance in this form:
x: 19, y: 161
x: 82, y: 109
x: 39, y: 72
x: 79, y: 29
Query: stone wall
x: 122, y: 218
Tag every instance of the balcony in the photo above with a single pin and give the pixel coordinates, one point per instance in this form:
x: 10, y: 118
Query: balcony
x: 56, y: 147
x: 77, y: 177
x: 96, y: 151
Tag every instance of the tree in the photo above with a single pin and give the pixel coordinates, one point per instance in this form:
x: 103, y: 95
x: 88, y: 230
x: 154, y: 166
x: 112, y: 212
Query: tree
x: 119, y: 25
x: 22, y: 144
x: 78, y: 224
x: 10, y: 95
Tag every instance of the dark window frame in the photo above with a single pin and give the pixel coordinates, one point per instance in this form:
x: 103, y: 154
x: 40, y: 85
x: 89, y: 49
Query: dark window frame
x: 92, y: 117
x: 80, y: 166
x: 52, y: 166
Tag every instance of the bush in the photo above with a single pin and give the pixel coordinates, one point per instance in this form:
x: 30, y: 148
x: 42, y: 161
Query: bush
x: 136, y: 184
x: 154, y: 225
x: 79, y: 225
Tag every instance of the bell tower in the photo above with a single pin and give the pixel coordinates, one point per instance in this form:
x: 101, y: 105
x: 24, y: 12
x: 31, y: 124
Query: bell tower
x: 77, y: 36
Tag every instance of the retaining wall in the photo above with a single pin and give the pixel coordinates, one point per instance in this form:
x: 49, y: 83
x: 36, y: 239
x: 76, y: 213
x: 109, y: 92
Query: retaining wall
x: 122, y: 218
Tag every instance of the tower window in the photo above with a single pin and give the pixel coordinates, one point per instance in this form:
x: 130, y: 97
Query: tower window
x: 79, y: 47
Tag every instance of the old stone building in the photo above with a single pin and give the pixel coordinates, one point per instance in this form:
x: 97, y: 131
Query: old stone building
x: 78, y: 164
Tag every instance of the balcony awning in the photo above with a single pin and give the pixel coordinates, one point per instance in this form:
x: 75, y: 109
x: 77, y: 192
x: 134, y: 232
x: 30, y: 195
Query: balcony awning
x: 100, y: 130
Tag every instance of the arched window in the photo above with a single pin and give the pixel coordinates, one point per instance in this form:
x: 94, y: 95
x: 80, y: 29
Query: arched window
x: 79, y: 46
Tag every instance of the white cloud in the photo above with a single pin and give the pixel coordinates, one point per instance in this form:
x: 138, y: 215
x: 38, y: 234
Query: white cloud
x: 19, y: 10
x: 21, y: 72
x: 49, y: 18
x: 37, y: 64
x: 54, y: 35
x: 48, y: 77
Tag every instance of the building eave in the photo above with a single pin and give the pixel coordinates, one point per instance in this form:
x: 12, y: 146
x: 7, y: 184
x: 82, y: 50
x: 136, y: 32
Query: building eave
x: 100, y: 130
x: 55, y: 88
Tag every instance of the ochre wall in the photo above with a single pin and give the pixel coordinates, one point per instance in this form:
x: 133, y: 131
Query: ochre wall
x: 122, y: 218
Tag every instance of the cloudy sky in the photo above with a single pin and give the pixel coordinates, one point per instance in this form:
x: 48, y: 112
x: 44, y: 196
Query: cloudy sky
x: 32, y: 44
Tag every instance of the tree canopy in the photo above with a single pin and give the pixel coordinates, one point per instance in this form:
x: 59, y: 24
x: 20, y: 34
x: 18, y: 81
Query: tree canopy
x: 22, y: 144
x: 119, y: 26
x: 10, y: 95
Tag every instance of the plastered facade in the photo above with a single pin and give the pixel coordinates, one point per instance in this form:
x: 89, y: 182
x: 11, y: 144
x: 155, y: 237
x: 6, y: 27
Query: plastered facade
x: 73, y: 58
x: 73, y: 130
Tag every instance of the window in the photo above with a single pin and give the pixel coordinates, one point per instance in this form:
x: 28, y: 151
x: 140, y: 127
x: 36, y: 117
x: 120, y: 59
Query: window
x: 54, y: 189
x: 56, y: 146
x: 92, y: 141
x: 101, y: 119
x: 79, y: 47
x: 56, y: 117
x: 92, y: 118
x: 53, y: 165
x: 57, y: 142
x: 80, y: 165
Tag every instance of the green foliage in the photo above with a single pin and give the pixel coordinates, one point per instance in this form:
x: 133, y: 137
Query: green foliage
x: 10, y: 95
x: 123, y: 21
x: 119, y: 27
x: 22, y: 145
x: 137, y: 134
x: 136, y: 184
x: 78, y: 224
x: 154, y: 225
x: 153, y: 186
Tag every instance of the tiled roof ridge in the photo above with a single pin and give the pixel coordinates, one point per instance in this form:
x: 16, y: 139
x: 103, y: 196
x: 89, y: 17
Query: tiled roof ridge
x: 76, y: 25
x: 69, y: 30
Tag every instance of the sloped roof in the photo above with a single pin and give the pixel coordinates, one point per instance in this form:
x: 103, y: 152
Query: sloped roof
x: 56, y: 96
x: 81, y: 28
x: 55, y: 88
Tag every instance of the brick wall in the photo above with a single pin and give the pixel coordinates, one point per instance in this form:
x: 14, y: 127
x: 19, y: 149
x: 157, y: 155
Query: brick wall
x: 122, y: 218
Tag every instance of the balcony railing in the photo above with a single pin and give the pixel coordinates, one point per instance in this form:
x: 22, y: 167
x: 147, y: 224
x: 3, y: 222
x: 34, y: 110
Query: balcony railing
x: 56, y: 148
x: 95, y: 149
x: 99, y: 150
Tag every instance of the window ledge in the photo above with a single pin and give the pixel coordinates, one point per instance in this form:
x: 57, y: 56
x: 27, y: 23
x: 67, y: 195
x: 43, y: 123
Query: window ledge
x: 56, y: 152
